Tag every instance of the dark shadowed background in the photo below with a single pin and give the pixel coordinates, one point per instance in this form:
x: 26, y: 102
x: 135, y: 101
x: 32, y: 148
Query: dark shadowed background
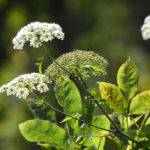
x: 110, y: 28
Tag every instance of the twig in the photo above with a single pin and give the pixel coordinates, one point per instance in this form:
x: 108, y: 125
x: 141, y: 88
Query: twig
x: 57, y: 110
x: 112, y: 133
x: 144, y: 120
x: 101, y: 108
x: 100, y: 140
x: 76, y: 118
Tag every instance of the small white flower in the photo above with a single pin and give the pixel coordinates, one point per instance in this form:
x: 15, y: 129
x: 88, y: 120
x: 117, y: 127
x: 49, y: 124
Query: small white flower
x: 145, y: 29
x: 147, y: 19
x: 35, y: 42
x: 20, y: 85
x: 11, y: 91
x: 30, y: 85
x: 22, y: 93
x: 46, y: 37
x: 3, y: 88
x: 58, y: 34
x: 42, y: 87
x: 35, y: 33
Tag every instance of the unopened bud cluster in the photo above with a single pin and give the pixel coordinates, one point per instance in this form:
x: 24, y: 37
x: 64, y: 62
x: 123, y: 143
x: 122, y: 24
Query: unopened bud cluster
x: 78, y: 58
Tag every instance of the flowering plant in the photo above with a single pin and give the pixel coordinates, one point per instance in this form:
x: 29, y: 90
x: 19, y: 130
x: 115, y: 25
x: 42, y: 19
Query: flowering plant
x: 124, y: 117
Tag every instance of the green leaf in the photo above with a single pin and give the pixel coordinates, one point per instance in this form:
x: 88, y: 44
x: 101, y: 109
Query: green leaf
x: 91, y: 69
x: 140, y: 104
x: 127, y: 79
x: 68, y: 96
x: 116, y: 141
x: 72, y: 66
x: 45, y: 146
x: 87, y: 110
x: 44, y: 131
x: 70, y: 118
x: 91, y: 66
x: 40, y: 110
x: 40, y: 68
x: 95, y: 133
x: 39, y: 101
x: 113, y: 96
x: 41, y: 58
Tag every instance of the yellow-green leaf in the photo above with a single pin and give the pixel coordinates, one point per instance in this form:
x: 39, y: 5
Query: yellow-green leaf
x: 127, y: 79
x: 112, y: 94
x: 140, y: 103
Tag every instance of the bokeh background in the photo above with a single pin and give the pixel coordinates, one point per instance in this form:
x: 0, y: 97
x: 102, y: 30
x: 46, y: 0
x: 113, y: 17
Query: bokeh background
x: 108, y: 27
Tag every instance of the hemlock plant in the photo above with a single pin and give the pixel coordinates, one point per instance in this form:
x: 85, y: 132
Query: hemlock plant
x: 125, y: 114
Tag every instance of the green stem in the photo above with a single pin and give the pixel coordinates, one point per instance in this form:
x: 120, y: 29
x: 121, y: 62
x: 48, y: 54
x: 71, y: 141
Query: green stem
x: 144, y: 120
x: 57, y: 110
x: 100, y: 140
x: 67, y: 128
x: 127, y: 122
x: 56, y: 61
x: 76, y: 118
x: 128, y: 107
x: 101, y: 108
x: 135, y: 123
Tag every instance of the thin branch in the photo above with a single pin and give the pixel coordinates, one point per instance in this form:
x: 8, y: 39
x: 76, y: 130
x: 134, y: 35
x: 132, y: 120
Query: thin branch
x: 68, y: 132
x: 76, y: 118
x: 100, y: 140
x: 57, y: 110
x: 101, y: 108
x: 56, y: 61
x: 112, y: 133
x: 144, y: 120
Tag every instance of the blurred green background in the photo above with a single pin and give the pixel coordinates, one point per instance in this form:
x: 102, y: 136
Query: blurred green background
x: 108, y: 27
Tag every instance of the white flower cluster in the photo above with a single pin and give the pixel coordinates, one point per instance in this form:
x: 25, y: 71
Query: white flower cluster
x: 35, y: 33
x: 24, y: 84
x: 146, y: 28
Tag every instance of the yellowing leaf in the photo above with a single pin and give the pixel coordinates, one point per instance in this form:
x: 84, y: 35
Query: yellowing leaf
x: 113, y: 96
x: 127, y: 79
x: 140, y: 103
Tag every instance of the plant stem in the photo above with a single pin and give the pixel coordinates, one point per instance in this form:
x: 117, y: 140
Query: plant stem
x: 56, y: 61
x: 144, y: 120
x: 100, y: 140
x: 76, y: 118
x: 57, y: 110
x: 70, y: 143
x: 128, y: 107
x: 112, y: 133
x: 101, y: 108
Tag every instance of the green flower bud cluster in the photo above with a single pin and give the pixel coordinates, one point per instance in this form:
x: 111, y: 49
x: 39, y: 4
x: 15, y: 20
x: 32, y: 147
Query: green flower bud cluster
x: 73, y: 63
